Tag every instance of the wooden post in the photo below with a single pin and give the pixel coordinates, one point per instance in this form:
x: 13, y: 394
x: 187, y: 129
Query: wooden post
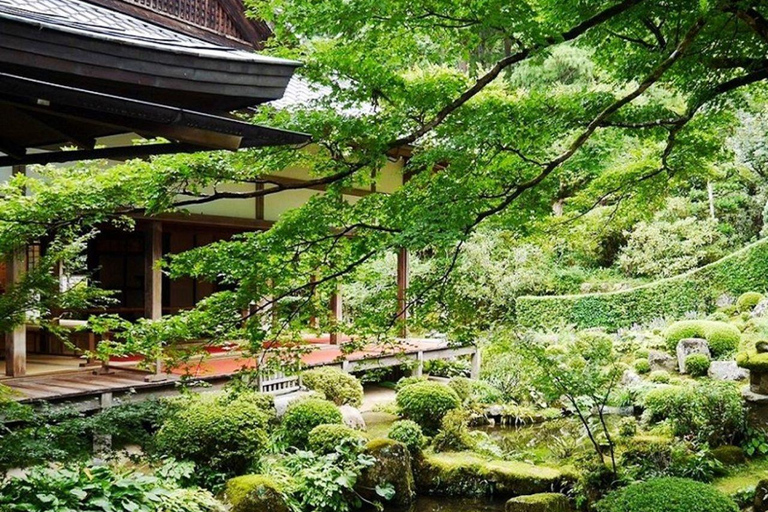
x: 418, y: 371
x: 474, y: 372
x: 16, y: 340
x: 403, y: 271
x: 153, y: 279
x: 336, y: 315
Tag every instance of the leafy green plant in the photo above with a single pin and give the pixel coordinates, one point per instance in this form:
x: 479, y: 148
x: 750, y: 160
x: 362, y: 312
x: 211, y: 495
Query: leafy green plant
x: 642, y: 366
x: 697, y: 365
x: 755, y: 442
x: 454, y: 435
x: 659, y: 377
x: 100, y: 489
x: 427, y: 403
x: 325, y: 439
x: 222, y: 437
x: 335, y: 385
x: 326, y: 483
x: 305, y: 414
x: 409, y: 433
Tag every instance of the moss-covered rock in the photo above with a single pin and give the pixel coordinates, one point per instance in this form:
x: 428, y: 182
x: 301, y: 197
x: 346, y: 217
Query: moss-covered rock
x: 753, y: 361
x: 544, y: 502
x: 393, y: 466
x: 729, y: 455
x: 467, y: 474
x: 255, y: 493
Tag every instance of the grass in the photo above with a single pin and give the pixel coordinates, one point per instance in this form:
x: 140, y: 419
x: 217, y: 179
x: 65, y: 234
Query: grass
x: 743, y: 477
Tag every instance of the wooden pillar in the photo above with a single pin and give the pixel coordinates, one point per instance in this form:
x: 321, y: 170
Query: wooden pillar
x: 474, y: 372
x: 16, y: 340
x: 153, y: 277
x: 337, y: 315
x: 403, y: 271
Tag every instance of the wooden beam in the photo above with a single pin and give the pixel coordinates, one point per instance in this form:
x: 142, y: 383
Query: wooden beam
x: 337, y: 315
x: 205, y: 220
x: 403, y: 281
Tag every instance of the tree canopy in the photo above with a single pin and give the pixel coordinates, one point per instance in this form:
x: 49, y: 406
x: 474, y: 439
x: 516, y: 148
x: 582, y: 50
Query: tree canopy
x: 513, y: 113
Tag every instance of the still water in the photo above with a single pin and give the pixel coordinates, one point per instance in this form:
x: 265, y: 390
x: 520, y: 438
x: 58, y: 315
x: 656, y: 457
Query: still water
x: 442, y: 504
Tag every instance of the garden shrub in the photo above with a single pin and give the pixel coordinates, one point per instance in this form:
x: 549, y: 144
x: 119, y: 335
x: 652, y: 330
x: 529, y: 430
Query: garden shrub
x: 454, y: 433
x: 721, y: 337
x: 667, y: 495
x: 628, y: 427
x: 407, y: 381
x: 335, y: 385
x: 473, y: 391
x: 712, y: 411
x: 697, y: 365
x: 659, y: 377
x: 427, y: 403
x: 719, y: 316
x: 409, y: 433
x: 327, y: 438
x: 747, y: 301
x: 305, y: 414
x: 696, y: 290
x: 642, y: 366
x: 225, y: 437
x: 255, y: 493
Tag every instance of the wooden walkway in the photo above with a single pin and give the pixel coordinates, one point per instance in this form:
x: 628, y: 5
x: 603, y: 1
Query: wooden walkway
x: 89, y: 390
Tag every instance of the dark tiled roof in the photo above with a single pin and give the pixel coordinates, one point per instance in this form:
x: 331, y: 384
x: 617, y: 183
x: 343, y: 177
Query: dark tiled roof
x: 81, y: 17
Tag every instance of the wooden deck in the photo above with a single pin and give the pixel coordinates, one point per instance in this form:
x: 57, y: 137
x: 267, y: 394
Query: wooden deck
x: 89, y: 390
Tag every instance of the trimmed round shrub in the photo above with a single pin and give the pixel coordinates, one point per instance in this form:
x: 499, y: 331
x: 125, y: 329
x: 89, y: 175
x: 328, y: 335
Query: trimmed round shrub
x: 335, y: 385
x: 326, y: 438
x: 697, y: 365
x: 303, y: 415
x: 226, y: 437
x: 462, y: 386
x: 747, y: 301
x: 667, y: 495
x: 409, y: 433
x: 642, y: 353
x: 642, y: 366
x: 407, y: 381
x: 659, y: 377
x: 719, y: 316
x: 721, y: 337
x: 255, y: 493
x: 427, y: 403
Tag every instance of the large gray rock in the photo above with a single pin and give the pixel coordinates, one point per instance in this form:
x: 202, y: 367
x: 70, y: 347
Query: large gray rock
x: 661, y: 361
x: 392, y: 467
x: 690, y: 346
x: 760, y: 309
x: 631, y: 379
x: 727, y: 370
x: 352, y: 417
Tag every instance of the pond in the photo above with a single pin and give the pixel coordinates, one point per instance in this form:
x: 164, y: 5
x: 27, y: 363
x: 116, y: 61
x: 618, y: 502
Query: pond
x: 443, y: 504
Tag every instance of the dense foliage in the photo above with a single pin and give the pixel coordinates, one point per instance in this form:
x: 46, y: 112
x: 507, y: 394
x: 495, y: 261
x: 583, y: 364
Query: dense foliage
x: 667, y: 495
x: 427, y: 403
x: 335, y: 385
x: 697, y: 290
x: 305, y: 414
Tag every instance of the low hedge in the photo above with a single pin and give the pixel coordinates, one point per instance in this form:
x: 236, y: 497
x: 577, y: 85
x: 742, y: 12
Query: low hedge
x: 740, y: 272
x: 667, y: 495
x: 427, y: 403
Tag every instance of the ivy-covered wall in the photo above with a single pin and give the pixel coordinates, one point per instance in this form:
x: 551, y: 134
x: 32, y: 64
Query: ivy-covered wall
x: 697, y: 290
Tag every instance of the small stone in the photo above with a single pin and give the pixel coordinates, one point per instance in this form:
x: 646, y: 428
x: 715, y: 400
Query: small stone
x: 352, y: 417
x: 727, y: 370
x: 545, y: 502
x: 494, y: 411
x: 761, y: 347
x: 689, y: 346
x: 631, y: 379
x: 661, y: 361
